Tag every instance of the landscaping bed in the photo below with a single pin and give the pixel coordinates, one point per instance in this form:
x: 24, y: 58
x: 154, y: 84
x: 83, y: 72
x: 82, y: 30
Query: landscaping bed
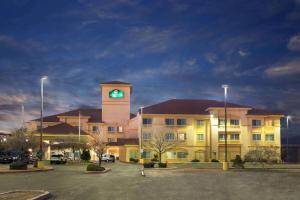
x: 96, y: 169
x: 25, y: 195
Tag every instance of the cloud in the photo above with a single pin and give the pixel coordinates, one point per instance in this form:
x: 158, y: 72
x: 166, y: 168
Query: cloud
x: 211, y: 58
x: 294, y: 43
x: 243, y: 53
x: 285, y: 69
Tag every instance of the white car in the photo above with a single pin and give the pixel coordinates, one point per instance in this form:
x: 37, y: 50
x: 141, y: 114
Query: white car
x: 58, y: 159
x: 108, y: 158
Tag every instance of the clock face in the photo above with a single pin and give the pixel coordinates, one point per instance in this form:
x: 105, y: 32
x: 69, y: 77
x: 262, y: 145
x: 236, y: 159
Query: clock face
x: 116, y: 94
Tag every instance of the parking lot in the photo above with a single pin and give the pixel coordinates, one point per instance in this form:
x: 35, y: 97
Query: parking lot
x: 125, y: 182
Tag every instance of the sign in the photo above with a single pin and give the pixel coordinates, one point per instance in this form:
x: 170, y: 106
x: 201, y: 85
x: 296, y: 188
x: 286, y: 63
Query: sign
x: 116, y: 94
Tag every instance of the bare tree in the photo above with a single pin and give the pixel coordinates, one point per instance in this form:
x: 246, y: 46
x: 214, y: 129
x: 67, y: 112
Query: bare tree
x: 262, y: 155
x: 21, y: 141
x: 161, y: 144
x: 98, y: 144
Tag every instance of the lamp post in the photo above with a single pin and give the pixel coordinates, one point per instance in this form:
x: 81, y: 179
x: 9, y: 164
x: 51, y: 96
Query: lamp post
x: 41, y: 121
x: 141, y: 136
x: 225, y: 163
x: 287, y: 137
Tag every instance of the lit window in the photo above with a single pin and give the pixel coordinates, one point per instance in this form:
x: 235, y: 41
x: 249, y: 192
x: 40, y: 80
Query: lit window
x: 234, y: 136
x: 269, y: 137
x: 110, y: 139
x: 200, y: 137
x: 111, y: 129
x: 200, y: 122
x: 256, y: 122
x: 147, y: 121
x: 170, y: 136
x: 171, y: 155
x: 182, y: 136
x: 221, y: 136
x: 147, y: 136
x: 221, y: 122
x: 181, y: 155
x: 95, y: 128
x: 181, y: 122
x: 256, y: 136
x: 169, y: 122
x: 120, y: 129
x: 146, y: 154
x: 234, y: 122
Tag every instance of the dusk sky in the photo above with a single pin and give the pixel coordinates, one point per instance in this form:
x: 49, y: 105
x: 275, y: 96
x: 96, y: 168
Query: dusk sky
x: 166, y: 49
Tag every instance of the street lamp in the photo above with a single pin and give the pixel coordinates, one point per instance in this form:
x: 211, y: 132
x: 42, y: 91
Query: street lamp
x: 41, y: 121
x: 141, y: 136
x: 225, y: 163
x: 287, y: 137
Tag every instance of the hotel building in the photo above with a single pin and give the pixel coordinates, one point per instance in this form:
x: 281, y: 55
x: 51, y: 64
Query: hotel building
x: 196, y: 125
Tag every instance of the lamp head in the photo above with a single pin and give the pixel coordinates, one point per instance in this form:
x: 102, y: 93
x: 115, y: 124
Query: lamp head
x: 44, y: 78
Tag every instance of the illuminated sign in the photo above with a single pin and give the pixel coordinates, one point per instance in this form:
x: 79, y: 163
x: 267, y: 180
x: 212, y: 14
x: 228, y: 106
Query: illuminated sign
x: 116, y: 94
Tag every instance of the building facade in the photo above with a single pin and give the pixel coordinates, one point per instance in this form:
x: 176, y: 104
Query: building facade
x: 197, y: 127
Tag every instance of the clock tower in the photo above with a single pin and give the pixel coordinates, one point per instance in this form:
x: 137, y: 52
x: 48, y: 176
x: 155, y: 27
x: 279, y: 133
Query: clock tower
x: 116, y: 102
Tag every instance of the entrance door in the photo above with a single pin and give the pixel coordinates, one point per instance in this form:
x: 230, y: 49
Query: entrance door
x: 200, y: 155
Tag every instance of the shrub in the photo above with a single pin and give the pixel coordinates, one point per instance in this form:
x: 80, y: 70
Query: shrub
x: 155, y: 159
x: 18, y: 166
x: 162, y: 165
x: 238, y: 162
x: 86, y: 156
x: 149, y: 165
x: 93, y: 167
x: 135, y: 160
x: 195, y: 160
x: 214, y: 160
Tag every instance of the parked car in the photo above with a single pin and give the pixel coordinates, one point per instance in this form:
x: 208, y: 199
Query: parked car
x: 6, y: 158
x: 108, y: 158
x: 58, y: 159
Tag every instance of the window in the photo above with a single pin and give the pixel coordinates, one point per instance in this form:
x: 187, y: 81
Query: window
x: 181, y: 155
x: 147, y: 136
x: 147, y: 121
x: 221, y: 122
x: 221, y: 136
x: 120, y: 129
x: 169, y: 122
x: 269, y: 137
x: 234, y: 136
x: 181, y: 136
x: 256, y: 122
x: 200, y: 136
x: 170, y: 136
x: 256, y: 136
x: 133, y: 154
x: 234, y: 122
x: 200, y: 122
x: 171, y: 155
x: 146, y: 154
x: 110, y: 139
x: 181, y: 122
x: 95, y: 128
x: 111, y: 129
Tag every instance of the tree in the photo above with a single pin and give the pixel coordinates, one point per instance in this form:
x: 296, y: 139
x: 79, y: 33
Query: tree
x: 263, y: 155
x: 86, y: 156
x: 21, y: 141
x: 160, y: 144
x: 98, y: 144
x: 70, y: 143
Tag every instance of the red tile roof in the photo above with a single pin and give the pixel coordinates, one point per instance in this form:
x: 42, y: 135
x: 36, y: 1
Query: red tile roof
x: 196, y: 106
x: 116, y: 82
x: 187, y: 106
x: 63, y: 129
x: 256, y: 111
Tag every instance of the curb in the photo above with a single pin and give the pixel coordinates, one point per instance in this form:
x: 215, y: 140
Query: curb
x: 45, y: 194
x: 8, y: 171
x: 98, y: 172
